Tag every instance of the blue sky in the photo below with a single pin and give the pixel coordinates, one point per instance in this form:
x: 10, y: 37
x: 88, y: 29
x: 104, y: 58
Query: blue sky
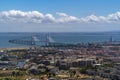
x: 59, y: 15
x: 76, y: 8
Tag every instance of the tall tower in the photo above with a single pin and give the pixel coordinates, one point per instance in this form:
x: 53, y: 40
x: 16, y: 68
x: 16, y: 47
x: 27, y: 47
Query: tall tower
x: 47, y: 40
x: 111, y: 39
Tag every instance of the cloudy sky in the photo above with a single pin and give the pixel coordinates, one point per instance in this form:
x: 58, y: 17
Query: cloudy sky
x: 59, y: 15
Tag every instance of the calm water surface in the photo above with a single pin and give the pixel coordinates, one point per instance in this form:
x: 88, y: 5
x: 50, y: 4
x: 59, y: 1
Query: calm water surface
x: 59, y: 37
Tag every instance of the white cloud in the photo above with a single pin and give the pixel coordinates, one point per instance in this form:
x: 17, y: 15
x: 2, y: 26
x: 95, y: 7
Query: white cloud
x: 20, y: 16
x: 62, y: 14
x: 94, y: 19
x: 114, y: 17
x: 49, y: 18
x: 111, y: 18
x: 64, y: 18
x: 38, y: 17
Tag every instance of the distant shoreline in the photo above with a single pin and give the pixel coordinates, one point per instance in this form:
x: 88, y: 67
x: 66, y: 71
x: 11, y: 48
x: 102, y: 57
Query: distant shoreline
x: 14, y: 48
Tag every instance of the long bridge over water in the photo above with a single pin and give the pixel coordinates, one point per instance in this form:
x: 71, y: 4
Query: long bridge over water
x: 48, y: 41
x: 33, y: 41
